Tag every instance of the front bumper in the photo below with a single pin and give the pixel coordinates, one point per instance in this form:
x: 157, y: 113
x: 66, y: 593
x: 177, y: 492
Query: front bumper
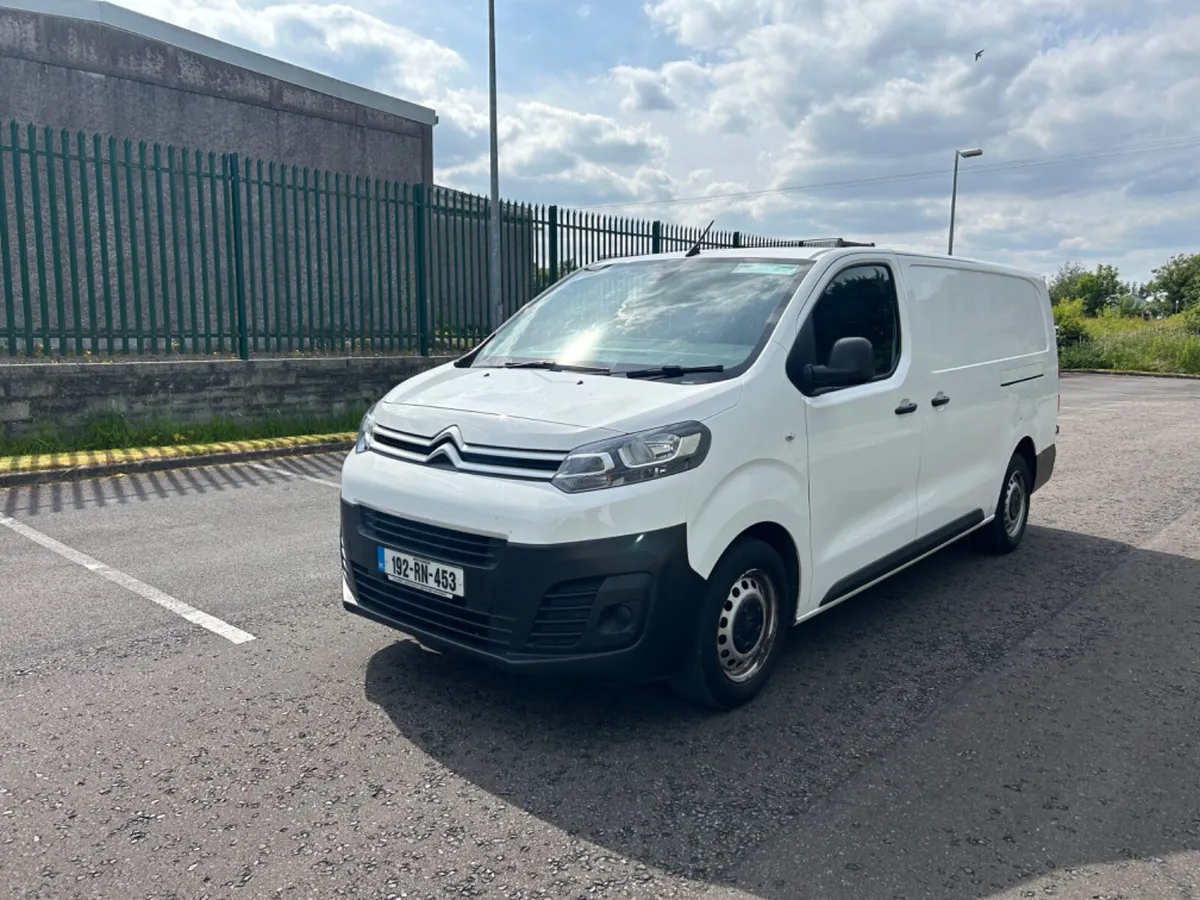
x: 616, y: 609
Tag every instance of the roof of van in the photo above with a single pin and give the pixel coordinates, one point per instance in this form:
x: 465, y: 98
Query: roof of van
x: 812, y: 254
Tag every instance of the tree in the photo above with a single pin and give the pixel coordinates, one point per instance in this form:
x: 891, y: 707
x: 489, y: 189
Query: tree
x: 1191, y: 319
x: 1177, y: 283
x: 1135, y: 289
x: 1098, y: 290
x: 1063, y: 283
x: 1128, y: 305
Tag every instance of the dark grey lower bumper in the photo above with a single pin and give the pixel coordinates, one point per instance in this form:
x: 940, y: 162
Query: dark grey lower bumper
x: 617, y: 609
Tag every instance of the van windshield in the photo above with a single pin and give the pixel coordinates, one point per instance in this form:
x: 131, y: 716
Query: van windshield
x: 620, y: 317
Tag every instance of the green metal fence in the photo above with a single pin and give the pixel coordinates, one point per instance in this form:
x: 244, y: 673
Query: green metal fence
x: 113, y: 248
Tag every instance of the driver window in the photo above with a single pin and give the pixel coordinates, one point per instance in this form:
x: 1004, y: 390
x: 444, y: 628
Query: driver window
x: 860, y: 302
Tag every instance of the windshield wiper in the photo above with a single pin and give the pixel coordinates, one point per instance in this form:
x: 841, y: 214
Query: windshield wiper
x: 672, y: 371
x: 554, y: 366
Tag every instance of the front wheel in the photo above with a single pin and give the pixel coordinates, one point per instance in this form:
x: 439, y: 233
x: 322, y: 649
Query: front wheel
x: 1003, y: 534
x: 740, y: 630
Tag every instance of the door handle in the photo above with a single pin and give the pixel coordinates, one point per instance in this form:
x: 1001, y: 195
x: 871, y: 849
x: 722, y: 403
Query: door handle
x: 940, y: 400
x: 905, y: 408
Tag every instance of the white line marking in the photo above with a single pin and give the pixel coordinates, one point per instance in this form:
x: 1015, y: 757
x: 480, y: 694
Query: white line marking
x: 154, y: 595
x: 313, y: 478
x: 1099, y: 407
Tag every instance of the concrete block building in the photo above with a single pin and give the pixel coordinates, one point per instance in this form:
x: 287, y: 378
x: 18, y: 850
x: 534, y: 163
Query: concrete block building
x: 91, y: 66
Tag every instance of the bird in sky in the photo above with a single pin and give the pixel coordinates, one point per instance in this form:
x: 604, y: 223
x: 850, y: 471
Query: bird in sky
x: 978, y: 54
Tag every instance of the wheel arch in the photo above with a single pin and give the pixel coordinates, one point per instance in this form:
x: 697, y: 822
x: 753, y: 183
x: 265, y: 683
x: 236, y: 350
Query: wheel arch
x: 780, y: 540
x: 1026, y: 450
x: 765, y: 499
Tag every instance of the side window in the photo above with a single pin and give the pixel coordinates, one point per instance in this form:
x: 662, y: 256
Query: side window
x: 860, y: 302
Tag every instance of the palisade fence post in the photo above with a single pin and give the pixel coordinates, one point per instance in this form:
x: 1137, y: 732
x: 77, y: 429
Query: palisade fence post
x: 39, y: 240
x: 737, y: 240
x: 56, y: 245
x: 239, y: 262
x: 10, y: 315
x: 162, y: 249
x: 419, y: 251
x: 656, y: 237
x: 552, y: 221
x: 22, y: 240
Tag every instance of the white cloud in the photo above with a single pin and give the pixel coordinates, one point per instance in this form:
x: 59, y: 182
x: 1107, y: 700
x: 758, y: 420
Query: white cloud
x: 547, y: 150
x: 820, y: 92
x: 321, y: 36
x: 646, y: 89
x: 677, y: 83
x: 537, y: 136
x: 711, y: 24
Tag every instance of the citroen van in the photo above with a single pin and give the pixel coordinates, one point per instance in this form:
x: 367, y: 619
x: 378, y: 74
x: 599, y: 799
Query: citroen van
x: 659, y: 465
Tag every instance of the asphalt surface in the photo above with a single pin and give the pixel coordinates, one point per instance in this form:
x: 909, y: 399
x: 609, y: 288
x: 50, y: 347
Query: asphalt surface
x: 1027, y: 726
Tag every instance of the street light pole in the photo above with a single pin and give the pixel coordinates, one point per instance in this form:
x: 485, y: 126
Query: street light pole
x: 497, y: 298
x: 963, y: 154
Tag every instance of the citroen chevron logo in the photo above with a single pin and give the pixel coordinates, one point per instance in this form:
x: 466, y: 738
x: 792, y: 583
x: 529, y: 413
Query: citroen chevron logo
x: 448, y: 443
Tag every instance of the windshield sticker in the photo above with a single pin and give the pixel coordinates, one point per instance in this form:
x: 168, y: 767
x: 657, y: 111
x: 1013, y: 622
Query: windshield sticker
x: 765, y: 269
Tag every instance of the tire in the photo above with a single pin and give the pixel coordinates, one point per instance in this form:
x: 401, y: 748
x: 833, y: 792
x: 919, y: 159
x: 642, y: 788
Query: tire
x: 731, y: 657
x: 1004, y: 533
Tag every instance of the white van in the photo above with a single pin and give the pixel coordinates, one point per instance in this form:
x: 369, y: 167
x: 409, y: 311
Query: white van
x: 661, y: 463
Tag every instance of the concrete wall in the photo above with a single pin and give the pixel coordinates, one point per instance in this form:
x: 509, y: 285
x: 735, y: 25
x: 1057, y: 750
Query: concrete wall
x: 94, y: 67
x: 67, y: 396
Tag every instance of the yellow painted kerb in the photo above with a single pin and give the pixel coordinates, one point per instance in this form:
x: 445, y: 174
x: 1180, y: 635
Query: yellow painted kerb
x: 93, y: 458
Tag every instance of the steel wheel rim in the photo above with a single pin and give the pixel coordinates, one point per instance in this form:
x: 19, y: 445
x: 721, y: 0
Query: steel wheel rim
x: 748, y: 626
x: 1016, y: 504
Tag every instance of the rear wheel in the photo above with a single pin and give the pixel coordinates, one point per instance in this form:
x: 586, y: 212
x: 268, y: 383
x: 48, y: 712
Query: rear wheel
x: 740, y: 629
x: 1003, y: 534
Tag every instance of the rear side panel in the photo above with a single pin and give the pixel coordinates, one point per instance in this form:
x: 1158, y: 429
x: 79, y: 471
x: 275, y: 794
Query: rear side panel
x: 990, y: 363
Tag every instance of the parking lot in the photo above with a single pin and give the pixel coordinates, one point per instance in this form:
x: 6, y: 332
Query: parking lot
x: 188, y: 712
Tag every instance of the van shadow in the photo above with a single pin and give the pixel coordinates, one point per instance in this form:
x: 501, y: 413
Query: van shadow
x: 723, y: 797
x: 142, y: 487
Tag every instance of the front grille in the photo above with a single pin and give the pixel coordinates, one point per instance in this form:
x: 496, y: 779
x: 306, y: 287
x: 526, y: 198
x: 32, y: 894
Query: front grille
x: 420, y: 610
x: 563, y: 615
x: 449, y: 451
x: 441, y: 544
x: 483, y: 457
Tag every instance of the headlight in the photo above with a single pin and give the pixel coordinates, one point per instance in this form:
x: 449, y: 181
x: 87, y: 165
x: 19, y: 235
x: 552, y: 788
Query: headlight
x: 366, y: 431
x: 634, y: 458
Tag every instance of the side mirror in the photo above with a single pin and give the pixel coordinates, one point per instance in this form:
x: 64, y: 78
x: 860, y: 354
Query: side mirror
x: 851, y: 362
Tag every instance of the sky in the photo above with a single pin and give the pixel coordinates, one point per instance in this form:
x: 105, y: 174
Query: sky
x: 796, y: 118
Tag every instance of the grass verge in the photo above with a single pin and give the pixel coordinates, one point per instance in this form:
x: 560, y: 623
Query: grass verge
x: 1159, y: 350
x: 1117, y: 343
x: 114, y: 431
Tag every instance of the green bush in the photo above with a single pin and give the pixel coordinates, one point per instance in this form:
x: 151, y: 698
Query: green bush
x: 1189, y: 319
x: 1071, y: 327
x: 1071, y: 332
x: 1158, y: 348
x: 1081, y: 356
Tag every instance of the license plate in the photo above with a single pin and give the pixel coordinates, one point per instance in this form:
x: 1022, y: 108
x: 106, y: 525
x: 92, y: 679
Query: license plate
x: 435, y: 578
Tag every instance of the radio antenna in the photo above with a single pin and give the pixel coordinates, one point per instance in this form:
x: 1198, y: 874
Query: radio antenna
x: 695, y: 251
